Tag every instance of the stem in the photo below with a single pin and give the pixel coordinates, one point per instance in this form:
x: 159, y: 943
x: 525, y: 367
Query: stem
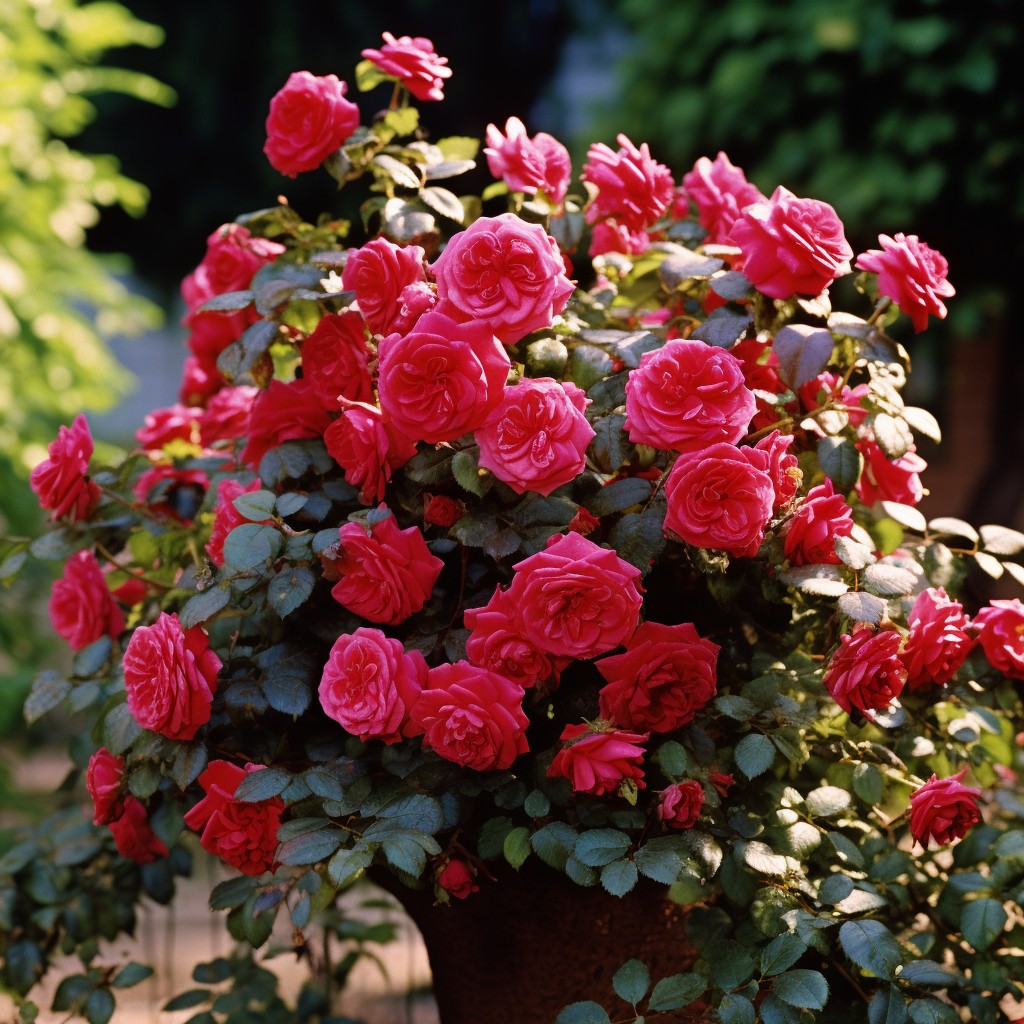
x: 880, y: 307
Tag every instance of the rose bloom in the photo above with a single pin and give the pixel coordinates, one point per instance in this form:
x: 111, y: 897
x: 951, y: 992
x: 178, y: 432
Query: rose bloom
x: 912, y: 274
x: 686, y: 396
x: 866, y: 672
x: 283, y: 412
x: 500, y: 641
x: 60, y: 480
x: 335, y: 358
x: 439, y: 510
x: 441, y: 380
x: 104, y: 782
x: 576, y: 599
x: 210, y: 333
x: 386, y: 574
x: 829, y: 387
x: 666, y: 675
x: 939, y: 639
x: 133, y: 835
x: 679, y: 805
x: 309, y: 119
x: 720, y: 191
x: 791, y: 246
x: 599, y: 762
x: 170, y: 675
x: 472, y: 716
x: 721, y: 498
x: 226, y: 416
x: 200, y: 380
x: 540, y: 164
x: 227, y: 517
x: 416, y: 300
x: 362, y: 443
x: 82, y: 608
x: 1000, y: 626
x: 822, y: 517
x: 242, y: 834
x: 161, y: 426
x: 536, y: 440
x: 369, y: 684
x: 457, y: 879
x: 633, y: 188
x: 504, y: 272
x: 783, y: 468
x: 412, y: 60
x: 943, y: 809
x: 379, y: 272
x: 885, y: 479
x: 609, y: 236
x: 172, y: 492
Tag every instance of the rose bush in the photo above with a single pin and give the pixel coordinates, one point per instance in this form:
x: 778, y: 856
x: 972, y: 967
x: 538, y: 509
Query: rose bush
x: 445, y: 563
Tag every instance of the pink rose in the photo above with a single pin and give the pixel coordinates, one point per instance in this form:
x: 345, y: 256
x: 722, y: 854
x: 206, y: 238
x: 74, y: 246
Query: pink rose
x: 943, y: 809
x: 284, y: 412
x: 457, y: 879
x: 679, y: 805
x: 783, y: 468
x: 386, y: 574
x: 82, y: 608
x: 939, y: 639
x: 412, y: 60
x: 242, y: 834
x: 174, y: 423
x: 60, y: 480
x: 540, y: 164
x: 134, y: 836
x: 227, y: 517
x: 720, y: 191
x: 379, y: 273
x: 505, y: 273
x: 172, y: 492
x: 885, y: 479
x: 105, y: 783
x: 721, y: 498
x: 361, y: 442
x: 599, y: 762
x: 791, y: 246
x: 441, y: 380
x: 1000, y: 626
x: 416, y: 300
x: 536, y: 440
x: 335, y: 358
x: 499, y: 641
x: 170, y: 675
x: 633, y: 188
x: 226, y: 416
x: 370, y: 683
x: 472, y: 716
x: 912, y: 274
x: 830, y: 387
x: 608, y: 236
x: 865, y: 672
x: 666, y: 675
x: 576, y: 598
x: 811, y: 535
x: 686, y: 396
x: 309, y: 119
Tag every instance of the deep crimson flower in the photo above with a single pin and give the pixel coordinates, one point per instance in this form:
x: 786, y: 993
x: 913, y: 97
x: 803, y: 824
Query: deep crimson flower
x: 440, y: 510
x: 161, y: 426
x: 528, y: 165
x: 865, y: 672
x: 60, y: 480
x: 82, y: 609
x: 1000, y: 626
x: 720, y: 191
x: 335, y: 358
x: 134, y: 836
x: 284, y: 412
x: 939, y: 639
x: 822, y: 517
x: 885, y: 479
x: 632, y: 187
x: 458, y: 879
x: 412, y: 60
x: 104, y: 782
x: 379, y: 272
x: 943, y: 809
x: 679, y: 805
x: 599, y: 762
x: 783, y: 467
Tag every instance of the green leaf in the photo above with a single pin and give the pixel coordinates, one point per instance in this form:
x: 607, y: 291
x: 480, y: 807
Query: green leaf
x: 99, y: 1007
x: 888, y: 580
x: 311, y: 847
x: 840, y: 461
x: 921, y: 421
x: 736, y: 1009
x: 658, y: 864
x: 619, y: 877
x: 931, y: 1011
x: 803, y: 352
x: 639, y: 537
x: 732, y: 285
x: 251, y: 545
x: 754, y: 755
x: 820, y: 580
x: 189, y: 762
x: 71, y: 993
x: 290, y: 588
x: 262, y: 784
x: 835, y: 889
x: 186, y: 1000
x: 348, y: 863
x: 24, y: 965
x: 589, y: 364
x: 601, y: 846
x: 554, y: 843
x: 466, y: 471
x: 929, y: 973
x: 203, y: 606
x: 228, y: 302
x: 537, y: 804
x: 905, y: 515
x: 892, y: 434
x: 516, y: 847
x: 414, y: 811
x: 1001, y: 540
x: 731, y: 965
x: 583, y: 1013
x: 620, y: 495
x: 49, y: 689
x: 231, y: 893
x: 631, y: 981
x: 255, y: 506
x: 871, y: 946
x: 446, y: 203
x: 982, y: 922
x: 868, y: 783
x: 675, y: 991
x: 807, y: 990
x: 781, y: 953
x: 610, y: 448
x: 887, y: 1006
x: 723, y: 327
x: 827, y: 802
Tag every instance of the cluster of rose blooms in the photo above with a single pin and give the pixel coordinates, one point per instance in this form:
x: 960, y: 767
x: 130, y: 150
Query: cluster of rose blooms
x: 421, y: 358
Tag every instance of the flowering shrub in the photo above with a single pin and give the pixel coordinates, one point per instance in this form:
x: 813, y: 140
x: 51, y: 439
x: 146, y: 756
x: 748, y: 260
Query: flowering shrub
x: 447, y: 562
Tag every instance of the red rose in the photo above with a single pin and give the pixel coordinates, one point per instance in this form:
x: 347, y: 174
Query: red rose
x: 457, y: 879
x: 943, y: 809
x: 161, y: 426
x: 536, y: 440
x: 576, y: 599
x: 791, y: 246
x: 379, y: 273
x: 170, y: 675
x: 472, y: 716
x: 226, y: 416
x: 686, y: 396
x: 721, y: 498
x: 441, y: 380
x: 885, y: 479
x: 912, y: 274
x: 360, y: 441
x: 370, y: 683
x: 939, y: 641
x: 412, y: 60
x: 441, y: 511
x: 60, y: 480
x: 503, y: 272
x: 227, y: 517
x: 133, y: 835
x: 679, y: 805
x: 633, y: 188
x: 599, y: 762
x: 720, y: 191
x: 82, y: 608
x: 722, y: 783
x: 822, y: 517
x: 783, y: 468
x: 242, y: 834
x: 283, y: 412
x: 583, y: 522
x: 666, y: 675
x: 335, y: 358
x: 386, y: 574
x: 865, y: 672
x: 210, y: 333
x: 309, y: 119
x: 540, y: 164
x: 104, y: 782
x: 1000, y: 626
x: 200, y: 379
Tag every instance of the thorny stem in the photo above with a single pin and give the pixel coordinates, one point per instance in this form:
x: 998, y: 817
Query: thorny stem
x: 880, y: 307
x: 107, y: 556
